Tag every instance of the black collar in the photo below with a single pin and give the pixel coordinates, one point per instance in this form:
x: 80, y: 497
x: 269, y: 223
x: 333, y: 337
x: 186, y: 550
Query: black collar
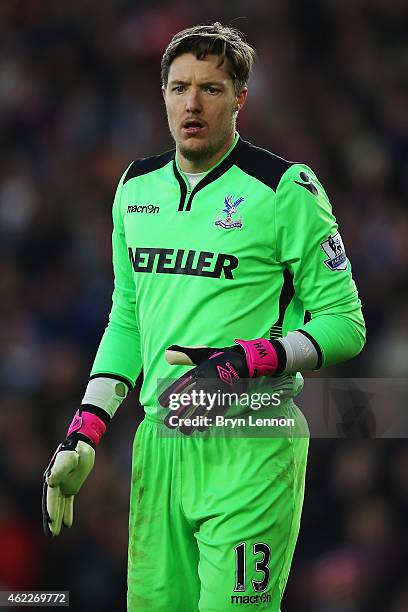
x: 212, y: 176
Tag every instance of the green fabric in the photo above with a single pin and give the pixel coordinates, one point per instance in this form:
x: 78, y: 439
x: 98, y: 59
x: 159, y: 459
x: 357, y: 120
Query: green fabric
x: 153, y: 308
x: 196, y: 501
x: 302, y: 222
x: 119, y: 349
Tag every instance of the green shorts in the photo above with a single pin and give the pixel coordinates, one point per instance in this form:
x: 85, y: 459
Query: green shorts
x: 213, y: 520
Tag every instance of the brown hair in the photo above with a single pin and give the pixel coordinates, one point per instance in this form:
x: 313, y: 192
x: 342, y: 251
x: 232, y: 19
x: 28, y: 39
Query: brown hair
x: 216, y: 39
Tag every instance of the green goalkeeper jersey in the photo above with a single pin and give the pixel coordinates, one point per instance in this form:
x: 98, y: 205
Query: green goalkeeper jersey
x: 252, y: 251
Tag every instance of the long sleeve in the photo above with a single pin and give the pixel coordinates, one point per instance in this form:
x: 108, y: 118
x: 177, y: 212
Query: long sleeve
x: 119, y: 349
x: 310, y: 246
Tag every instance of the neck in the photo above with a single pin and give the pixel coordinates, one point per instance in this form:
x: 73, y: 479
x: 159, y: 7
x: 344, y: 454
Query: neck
x: 202, y: 165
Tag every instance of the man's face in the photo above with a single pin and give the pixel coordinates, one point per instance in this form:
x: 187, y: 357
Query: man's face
x: 201, y: 105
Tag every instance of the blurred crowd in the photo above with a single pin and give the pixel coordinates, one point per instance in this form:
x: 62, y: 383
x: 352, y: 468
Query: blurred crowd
x: 79, y: 99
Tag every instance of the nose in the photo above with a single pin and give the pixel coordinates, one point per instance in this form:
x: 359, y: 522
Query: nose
x: 193, y: 101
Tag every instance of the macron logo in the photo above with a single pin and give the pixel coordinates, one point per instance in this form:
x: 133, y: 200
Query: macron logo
x: 150, y: 209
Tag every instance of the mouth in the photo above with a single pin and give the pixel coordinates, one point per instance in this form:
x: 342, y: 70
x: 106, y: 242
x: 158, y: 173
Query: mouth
x: 193, y: 127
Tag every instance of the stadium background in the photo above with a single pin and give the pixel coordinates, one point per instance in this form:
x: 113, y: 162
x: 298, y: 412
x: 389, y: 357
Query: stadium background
x: 79, y: 99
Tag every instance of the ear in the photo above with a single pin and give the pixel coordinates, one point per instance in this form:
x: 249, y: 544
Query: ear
x: 241, y: 99
x: 164, y: 92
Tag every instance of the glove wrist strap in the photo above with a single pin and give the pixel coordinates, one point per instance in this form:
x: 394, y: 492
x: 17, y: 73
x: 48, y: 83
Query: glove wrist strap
x: 88, y: 424
x: 261, y: 356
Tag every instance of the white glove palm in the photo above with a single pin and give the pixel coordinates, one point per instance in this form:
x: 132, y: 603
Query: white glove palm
x: 69, y: 468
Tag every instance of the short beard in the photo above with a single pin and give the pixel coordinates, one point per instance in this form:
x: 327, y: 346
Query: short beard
x: 199, y: 155
x: 207, y: 151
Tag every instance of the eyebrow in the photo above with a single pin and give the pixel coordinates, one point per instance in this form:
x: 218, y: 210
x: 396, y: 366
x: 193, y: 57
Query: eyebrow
x: 181, y: 82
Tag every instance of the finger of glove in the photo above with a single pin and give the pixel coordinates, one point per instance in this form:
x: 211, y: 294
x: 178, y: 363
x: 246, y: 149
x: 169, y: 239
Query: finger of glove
x: 55, y: 509
x: 46, y: 516
x: 201, y: 422
x: 196, y: 411
x: 219, y: 399
x: 51, y: 463
x: 65, y: 462
x: 68, y: 516
x: 183, y: 410
x: 203, y: 411
x: 176, y: 355
x: 189, y: 355
x: 193, y: 410
x: 179, y: 386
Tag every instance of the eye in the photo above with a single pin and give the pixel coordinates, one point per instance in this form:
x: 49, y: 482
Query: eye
x: 179, y: 89
x: 212, y: 90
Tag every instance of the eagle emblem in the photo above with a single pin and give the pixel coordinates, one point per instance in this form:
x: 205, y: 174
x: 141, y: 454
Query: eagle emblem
x: 230, y: 209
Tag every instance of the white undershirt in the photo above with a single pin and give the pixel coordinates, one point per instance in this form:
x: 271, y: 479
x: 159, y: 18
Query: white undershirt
x: 194, y: 177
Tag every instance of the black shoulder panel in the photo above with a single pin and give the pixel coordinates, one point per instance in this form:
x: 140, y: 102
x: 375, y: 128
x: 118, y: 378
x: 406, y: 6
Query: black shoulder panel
x: 148, y: 164
x: 261, y: 164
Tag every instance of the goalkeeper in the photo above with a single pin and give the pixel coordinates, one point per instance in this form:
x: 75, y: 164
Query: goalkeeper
x: 229, y: 257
